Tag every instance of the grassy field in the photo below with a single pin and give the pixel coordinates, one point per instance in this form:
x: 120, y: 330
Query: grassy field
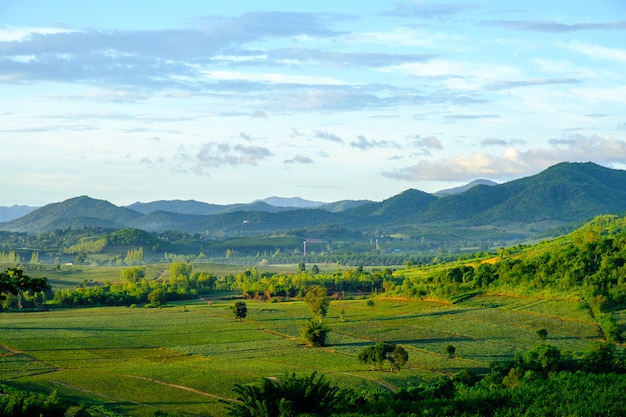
x: 187, y: 356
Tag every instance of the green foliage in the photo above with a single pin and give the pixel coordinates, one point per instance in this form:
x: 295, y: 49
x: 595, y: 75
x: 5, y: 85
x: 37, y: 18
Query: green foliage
x: 133, y: 274
x: 450, y: 350
x: 315, y: 333
x: 317, y: 299
x: 157, y: 297
x: 542, y: 333
x: 10, y: 258
x: 13, y: 281
x: 15, y: 403
x: 377, y: 354
x: 180, y: 271
x: 134, y: 256
x: 286, y: 396
x: 134, y: 289
x: 240, y: 310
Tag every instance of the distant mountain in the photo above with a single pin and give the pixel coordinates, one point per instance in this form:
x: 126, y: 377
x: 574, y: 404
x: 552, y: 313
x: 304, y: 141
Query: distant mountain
x: 564, y: 193
x: 344, y: 205
x: 463, y: 188
x: 14, y: 212
x: 199, y: 208
x: 294, y: 202
x: 177, y: 206
x: 74, y: 213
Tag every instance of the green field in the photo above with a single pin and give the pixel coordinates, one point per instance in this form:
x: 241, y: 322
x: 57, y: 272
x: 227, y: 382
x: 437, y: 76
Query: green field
x: 186, y: 356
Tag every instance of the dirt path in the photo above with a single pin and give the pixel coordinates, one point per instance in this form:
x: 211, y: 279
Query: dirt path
x: 195, y: 391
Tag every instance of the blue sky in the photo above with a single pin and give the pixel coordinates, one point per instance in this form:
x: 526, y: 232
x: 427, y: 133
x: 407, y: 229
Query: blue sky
x: 228, y: 102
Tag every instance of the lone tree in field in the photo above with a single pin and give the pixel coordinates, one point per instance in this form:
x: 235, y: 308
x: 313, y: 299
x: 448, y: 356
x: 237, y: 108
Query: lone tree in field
x: 240, y: 310
x: 13, y: 281
x: 377, y: 354
x: 542, y: 334
x: 318, y: 300
x: 315, y: 330
x: 315, y: 333
x: 450, y: 351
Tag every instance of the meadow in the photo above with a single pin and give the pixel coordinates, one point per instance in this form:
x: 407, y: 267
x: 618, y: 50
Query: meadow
x: 187, y: 356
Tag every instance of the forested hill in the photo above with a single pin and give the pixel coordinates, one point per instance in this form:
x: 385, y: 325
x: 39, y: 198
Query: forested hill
x: 567, y: 192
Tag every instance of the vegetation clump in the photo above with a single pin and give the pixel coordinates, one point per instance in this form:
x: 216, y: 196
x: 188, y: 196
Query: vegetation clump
x: 381, y: 352
x: 288, y: 395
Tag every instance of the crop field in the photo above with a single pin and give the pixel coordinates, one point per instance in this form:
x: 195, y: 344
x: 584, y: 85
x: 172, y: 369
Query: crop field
x: 185, y: 357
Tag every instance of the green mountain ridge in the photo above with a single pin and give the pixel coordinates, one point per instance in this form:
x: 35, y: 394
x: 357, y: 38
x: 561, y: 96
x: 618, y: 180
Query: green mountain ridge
x: 564, y: 193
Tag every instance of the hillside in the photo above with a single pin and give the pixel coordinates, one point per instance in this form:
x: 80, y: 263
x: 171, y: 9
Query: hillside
x: 565, y: 192
x: 76, y: 212
x: 463, y: 188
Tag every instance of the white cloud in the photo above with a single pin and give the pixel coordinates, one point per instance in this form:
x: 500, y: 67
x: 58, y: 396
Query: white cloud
x: 598, y: 51
x: 276, y: 78
x: 513, y: 162
x: 17, y: 34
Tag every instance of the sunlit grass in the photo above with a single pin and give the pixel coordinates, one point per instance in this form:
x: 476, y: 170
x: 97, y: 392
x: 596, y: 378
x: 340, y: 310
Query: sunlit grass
x: 184, y: 356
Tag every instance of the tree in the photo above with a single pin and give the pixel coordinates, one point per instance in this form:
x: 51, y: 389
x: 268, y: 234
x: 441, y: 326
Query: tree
x: 133, y: 274
x: 542, y: 334
x: 315, y: 333
x: 13, y: 281
x: 318, y: 301
x: 157, y: 297
x: 180, y: 271
x: 285, y: 396
x: 240, y: 310
x: 377, y: 354
x: 450, y: 350
x: 371, y: 304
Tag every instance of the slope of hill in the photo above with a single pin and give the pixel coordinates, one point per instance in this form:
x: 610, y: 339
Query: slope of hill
x: 463, y: 188
x: 292, y: 202
x: 402, y: 205
x: 565, y: 192
x: 344, y: 205
x: 74, y: 213
x: 177, y: 206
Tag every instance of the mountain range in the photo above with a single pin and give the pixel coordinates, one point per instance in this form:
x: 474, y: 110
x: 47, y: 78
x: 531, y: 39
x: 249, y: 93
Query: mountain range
x: 564, y: 193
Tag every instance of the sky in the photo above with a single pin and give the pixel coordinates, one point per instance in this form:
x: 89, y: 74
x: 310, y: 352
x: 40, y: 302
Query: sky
x: 230, y: 102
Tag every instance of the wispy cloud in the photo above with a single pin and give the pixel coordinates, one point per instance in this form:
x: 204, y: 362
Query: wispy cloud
x: 430, y: 142
x: 215, y: 155
x: 598, y: 51
x: 299, y: 159
x: 508, y: 84
x: 493, y: 142
x: 551, y: 26
x: 327, y: 136
x: 471, y: 116
x: 430, y: 10
x: 363, y: 143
